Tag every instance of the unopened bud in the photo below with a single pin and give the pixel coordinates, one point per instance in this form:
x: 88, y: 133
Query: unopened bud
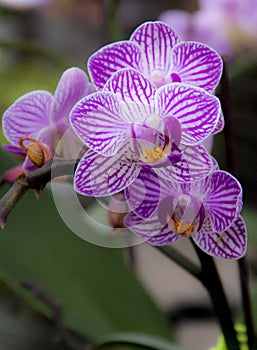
x: 117, y: 210
x: 12, y: 174
x: 38, y: 152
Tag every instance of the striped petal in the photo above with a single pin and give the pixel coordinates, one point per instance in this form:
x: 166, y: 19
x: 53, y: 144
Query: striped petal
x: 96, y: 120
x: 220, y: 125
x: 97, y: 175
x: 143, y: 195
x: 156, y: 39
x: 178, y: 20
x: 229, y: 244
x: 111, y: 58
x: 195, y: 164
x: 223, y: 193
x: 197, y: 64
x: 135, y: 91
x: 149, y: 194
x: 72, y: 86
x: 151, y: 230
x: 197, y: 111
x: 27, y: 116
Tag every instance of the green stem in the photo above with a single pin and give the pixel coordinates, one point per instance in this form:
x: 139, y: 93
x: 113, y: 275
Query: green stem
x: 181, y: 260
x: 231, y: 165
x: 211, y: 280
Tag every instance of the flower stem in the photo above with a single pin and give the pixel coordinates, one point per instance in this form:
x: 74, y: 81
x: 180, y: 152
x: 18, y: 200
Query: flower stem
x: 211, y: 280
x: 244, y: 282
x: 231, y: 165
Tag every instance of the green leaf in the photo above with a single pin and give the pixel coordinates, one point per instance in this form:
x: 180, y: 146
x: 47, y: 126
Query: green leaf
x: 98, y: 292
x: 22, y: 330
x: 135, y: 339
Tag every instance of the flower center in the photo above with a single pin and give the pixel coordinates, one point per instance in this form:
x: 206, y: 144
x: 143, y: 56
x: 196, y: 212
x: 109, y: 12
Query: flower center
x: 188, y: 215
x: 155, y: 155
x: 183, y: 229
x: 157, y: 78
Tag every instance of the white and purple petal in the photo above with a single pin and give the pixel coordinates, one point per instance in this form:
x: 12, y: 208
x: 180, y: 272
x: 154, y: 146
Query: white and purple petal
x: 97, y: 121
x: 156, y: 40
x: 197, y: 111
x: 112, y: 58
x: 136, y: 93
x: 179, y: 20
x: 27, y: 116
x: 97, y: 175
x: 197, y: 64
x: 151, y: 230
x: 195, y: 164
x: 147, y: 195
x: 222, y: 198
x: 229, y: 244
x: 72, y: 86
x: 143, y: 195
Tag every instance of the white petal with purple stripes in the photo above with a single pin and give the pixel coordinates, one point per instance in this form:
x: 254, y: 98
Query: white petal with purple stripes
x: 222, y: 199
x: 96, y: 120
x: 197, y: 111
x: 156, y: 39
x: 27, y: 115
x: 72, y: 86
x: 97, y: 175
x: 111, y: 58
x: 151, y: 230
x: 143, y: 195
x: 135, y: 91
x: 229, y: 244
x: 195, y: 164
x: 196, y: 63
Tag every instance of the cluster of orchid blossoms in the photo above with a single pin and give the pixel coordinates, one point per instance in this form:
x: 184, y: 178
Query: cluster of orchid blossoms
x: 144, y: 124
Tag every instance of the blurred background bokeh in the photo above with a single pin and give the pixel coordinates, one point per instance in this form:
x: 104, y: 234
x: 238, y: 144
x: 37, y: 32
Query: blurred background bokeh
x: 103, y: 290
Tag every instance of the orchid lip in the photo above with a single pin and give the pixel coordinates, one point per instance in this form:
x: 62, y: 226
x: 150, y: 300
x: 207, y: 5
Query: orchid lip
x: 169, y: 160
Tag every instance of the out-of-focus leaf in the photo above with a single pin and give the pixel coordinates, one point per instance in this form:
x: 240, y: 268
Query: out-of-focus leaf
x: 98, y: 292
x: 134, y: 339
x: 22, y: 330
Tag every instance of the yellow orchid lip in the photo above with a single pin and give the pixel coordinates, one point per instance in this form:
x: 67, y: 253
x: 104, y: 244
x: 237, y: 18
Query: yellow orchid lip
x: 183, y: 229
x: 155, y: 155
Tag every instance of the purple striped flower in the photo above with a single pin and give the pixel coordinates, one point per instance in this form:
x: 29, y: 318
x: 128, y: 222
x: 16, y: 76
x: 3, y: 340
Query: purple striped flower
x: 42, y: 116
x: 155, y: 50
x: 206, y: 210
x: 130, y: 124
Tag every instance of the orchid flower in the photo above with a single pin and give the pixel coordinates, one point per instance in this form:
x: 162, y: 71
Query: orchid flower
x: 131, y: 123
x: 23, y: 4
x: 207, y: 210
x: 229, y: 26
x: 155, y: 50
x: 42, y: 116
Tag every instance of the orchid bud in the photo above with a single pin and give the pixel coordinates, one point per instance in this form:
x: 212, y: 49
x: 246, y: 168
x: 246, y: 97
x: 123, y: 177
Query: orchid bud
x: 118, y: 208
x: 38, y: 152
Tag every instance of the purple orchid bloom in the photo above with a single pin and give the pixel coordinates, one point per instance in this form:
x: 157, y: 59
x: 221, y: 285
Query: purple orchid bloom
x: 229, y: 26
x: 42, y: 116
x: 206, y: 210
x: 23, y: 4
x: 155, y: 50
x: 131, y: 123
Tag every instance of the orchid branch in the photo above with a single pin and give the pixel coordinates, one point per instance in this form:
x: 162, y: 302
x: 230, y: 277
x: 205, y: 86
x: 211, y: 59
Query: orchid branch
x: 211, y: 280
x: 36, y: 180
x: 231, y: 164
